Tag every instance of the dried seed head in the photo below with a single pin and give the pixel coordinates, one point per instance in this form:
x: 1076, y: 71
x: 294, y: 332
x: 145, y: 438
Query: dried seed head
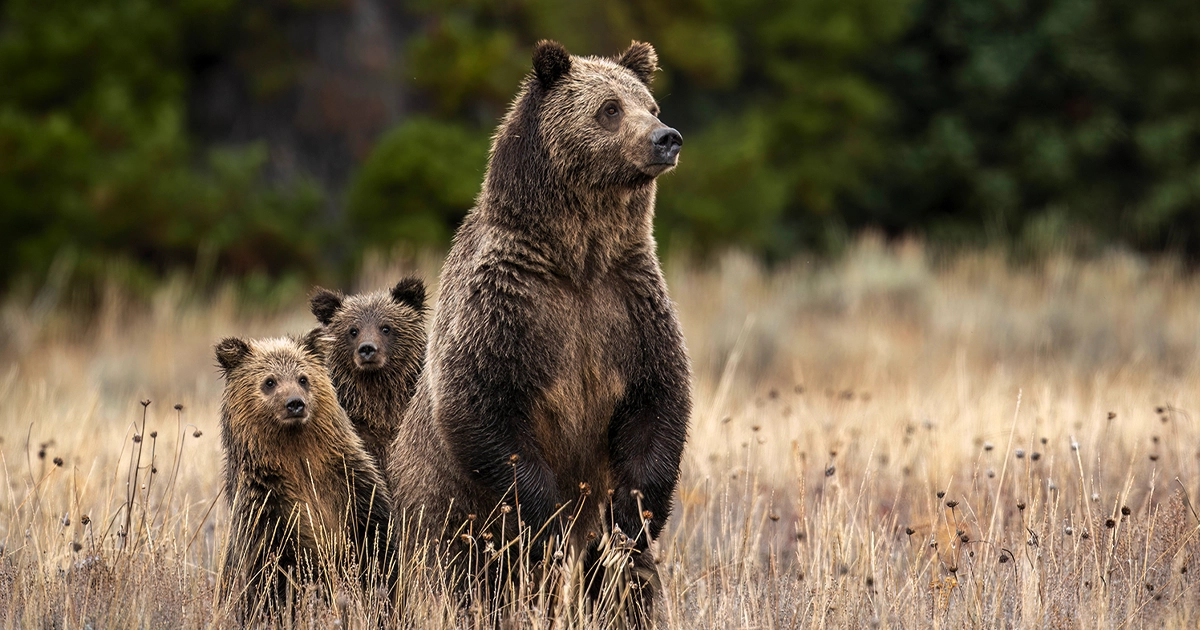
x: 952, y: 504
x: 965, y: 538
x: 648, y: 515
x: 1110, y: 523
x: 1112, y: 415
x: 941, y: 494
x: 197, y: 433
x: 1020, y: 453
x: 178, y: 406
x: 136, y: 438
x: 1125, y: 511
x: 910, y: 531
x: 1021, y: 505
x: 773, y: 516
x: 987, y: 446
x: 514, y: 458
x: 146, y: 403
x: 85, y: 519
x: 58, y: 461
x: 1153, y: 457
x: 471, y: 517
x: 505, y: 508
x: 1159, y: 410
x: 75, y: 546
x: 829, y: 471
x: 1068, y: 531
x: 1085, y: 535
x: 1034, y: 456
x: 154, y: 435
x: 1003, y: 559
x: 585, y: 488
x: 991, y: 473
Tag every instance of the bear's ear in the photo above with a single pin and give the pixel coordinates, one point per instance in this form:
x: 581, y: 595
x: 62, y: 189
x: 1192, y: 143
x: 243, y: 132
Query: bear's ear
x: 231, y: 352
x: 410, y: 291
x: 324, y: 304
x: 641, y: 59
x: 551, y: 62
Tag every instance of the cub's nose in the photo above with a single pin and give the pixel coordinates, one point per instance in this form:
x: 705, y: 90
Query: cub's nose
x: 295, y: 406
x: 667, y: 142
x: 367, y: 351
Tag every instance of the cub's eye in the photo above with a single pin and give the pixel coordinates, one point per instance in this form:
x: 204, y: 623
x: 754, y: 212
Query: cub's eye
x: 353, y: 332
x: 304, y: 381
x: 611, y: 110
x: 387, y: 330
x: 270, y: 384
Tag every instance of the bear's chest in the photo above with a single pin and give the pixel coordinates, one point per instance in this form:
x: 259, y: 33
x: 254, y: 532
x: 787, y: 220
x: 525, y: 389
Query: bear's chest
x: 592, y: 351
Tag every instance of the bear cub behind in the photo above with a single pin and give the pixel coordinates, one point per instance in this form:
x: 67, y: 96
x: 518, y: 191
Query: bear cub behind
x: 375, y: 344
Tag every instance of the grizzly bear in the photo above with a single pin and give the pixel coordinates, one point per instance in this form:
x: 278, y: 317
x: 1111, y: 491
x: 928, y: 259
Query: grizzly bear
x: 374, y: 344
x: 557, y: 382
x: 305, y: 494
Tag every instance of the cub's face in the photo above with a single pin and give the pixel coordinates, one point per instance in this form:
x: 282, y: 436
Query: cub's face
x: 271, y: 380
x: 598, y: 116
x: 374, y: 330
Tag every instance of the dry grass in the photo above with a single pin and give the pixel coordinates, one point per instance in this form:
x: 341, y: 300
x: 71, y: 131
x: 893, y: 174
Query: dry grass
x: 882, y: 441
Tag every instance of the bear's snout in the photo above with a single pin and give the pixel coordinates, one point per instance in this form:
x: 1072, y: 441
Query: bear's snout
x: 295, y: 407
x: 667, y: 143
x: 367, y: 351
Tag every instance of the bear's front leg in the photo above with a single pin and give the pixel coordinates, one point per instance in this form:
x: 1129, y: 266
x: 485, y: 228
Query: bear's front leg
x: 647, y: 434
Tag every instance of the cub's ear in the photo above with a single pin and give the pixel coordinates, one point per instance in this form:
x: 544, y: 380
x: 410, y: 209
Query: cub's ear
x: 411, y: 292
x: 641, y: 59
x: 324, y: 304
x: 551, y: 62
x: 231, y: 352
x: 311, y: 343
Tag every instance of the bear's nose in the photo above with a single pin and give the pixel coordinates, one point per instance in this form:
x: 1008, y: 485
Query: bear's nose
x: 667, y: 142
x: 295, y: 406
x: 367, y: 351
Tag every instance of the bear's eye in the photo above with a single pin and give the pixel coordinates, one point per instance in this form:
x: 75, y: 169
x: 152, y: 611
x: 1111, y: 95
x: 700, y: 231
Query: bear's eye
x: 611, y: 109
x: 353, y: 332
x: 387, y: 330
x: 304, y: 382
x: 270, y: 384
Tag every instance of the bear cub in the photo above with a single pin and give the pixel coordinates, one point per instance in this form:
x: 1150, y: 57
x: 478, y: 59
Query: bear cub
x: 375, y: 346
x: 305, y: 495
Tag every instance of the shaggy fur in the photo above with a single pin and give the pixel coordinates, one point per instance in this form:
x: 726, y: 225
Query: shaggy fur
x: 553, y: 338
x: 298, y: 478
x: 375, y: 345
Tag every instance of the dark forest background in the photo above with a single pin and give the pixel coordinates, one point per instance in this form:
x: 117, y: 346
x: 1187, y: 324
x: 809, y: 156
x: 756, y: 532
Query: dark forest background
x: 271, y: 138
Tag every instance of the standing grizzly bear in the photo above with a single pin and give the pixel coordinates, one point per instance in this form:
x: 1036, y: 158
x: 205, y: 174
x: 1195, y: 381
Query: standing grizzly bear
x: 374, y: 344
x: 557, y: 373
x: 305, y: 494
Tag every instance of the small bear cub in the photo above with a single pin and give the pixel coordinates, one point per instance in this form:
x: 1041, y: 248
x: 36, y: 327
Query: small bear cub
x: 375, y: 345
x: 307, y: 499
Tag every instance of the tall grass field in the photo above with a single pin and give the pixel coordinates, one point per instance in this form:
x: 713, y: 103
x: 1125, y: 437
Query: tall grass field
x: 892, y: 439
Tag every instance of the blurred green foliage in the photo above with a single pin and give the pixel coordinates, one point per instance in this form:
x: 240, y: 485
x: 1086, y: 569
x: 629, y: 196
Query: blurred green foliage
x: 1031, y: 122
x: 95, y: 157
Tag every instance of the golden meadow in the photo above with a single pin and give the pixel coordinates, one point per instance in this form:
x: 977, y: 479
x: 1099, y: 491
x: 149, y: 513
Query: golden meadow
x: 891, y: 439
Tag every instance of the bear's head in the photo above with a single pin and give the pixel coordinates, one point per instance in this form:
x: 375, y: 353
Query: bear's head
x: 372, y: 332
x: 273, y: 384
x: 585, y: 120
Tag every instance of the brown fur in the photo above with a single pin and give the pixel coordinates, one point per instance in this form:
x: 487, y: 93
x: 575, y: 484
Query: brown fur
x: 553, y: 338
x: 299, y: 482
x: 374, y: 391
